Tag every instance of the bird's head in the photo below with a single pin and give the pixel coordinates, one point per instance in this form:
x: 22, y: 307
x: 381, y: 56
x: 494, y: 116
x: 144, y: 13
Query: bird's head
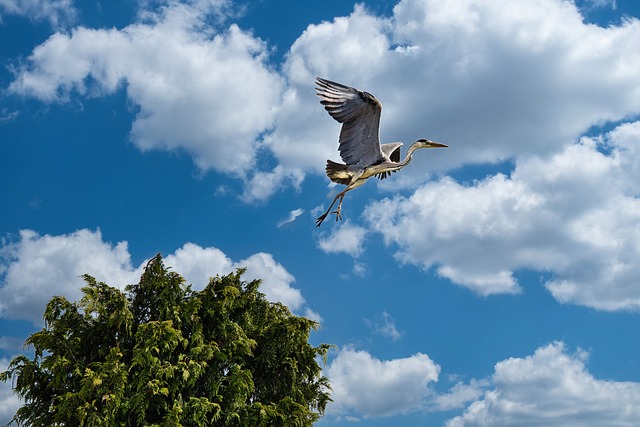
x: 427, y: 143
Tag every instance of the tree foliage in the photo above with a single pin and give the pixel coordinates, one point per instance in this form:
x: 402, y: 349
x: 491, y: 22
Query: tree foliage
x: 161, y: 354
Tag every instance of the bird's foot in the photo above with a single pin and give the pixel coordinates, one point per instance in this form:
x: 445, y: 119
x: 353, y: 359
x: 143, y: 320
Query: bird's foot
x: 337, y: 212
x: 320, y: 219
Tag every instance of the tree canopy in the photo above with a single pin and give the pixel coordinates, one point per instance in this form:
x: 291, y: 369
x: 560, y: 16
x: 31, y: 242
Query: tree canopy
x: 161, y: 354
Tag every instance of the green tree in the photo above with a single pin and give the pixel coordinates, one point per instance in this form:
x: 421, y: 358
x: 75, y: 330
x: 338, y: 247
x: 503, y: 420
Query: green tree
x: 161, y: 354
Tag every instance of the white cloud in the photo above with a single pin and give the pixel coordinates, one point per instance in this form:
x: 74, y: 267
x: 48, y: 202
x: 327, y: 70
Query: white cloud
x: 197, y: 264
x: 209, y: 93
x: 35, y: 268
x: 457, y: 227
x: 6, y: 115
x: 343, y: 238
x: 598, y: 4
x: 58, y: 12
x: 292, y: 217
x: 552, y: 388
x: 11, y: 345
x: 348, y: 49
x: 263, y: 185
x: 385, y: 325
x: 493, y: 80
x: 276, y: 281
x: 9, y: 402
x: 573, y: 215
x: 364, y: 386
x: 312, y: 315
x: 359, y: 269
x: 355, y: 46
x: 458, y: 395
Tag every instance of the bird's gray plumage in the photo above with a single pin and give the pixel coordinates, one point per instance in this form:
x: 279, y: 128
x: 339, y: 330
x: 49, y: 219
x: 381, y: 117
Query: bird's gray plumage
x: 359, y: 112
x: 359, y: 142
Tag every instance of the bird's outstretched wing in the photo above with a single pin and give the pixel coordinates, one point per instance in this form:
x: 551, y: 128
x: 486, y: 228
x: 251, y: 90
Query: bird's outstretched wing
x: 359, y: 112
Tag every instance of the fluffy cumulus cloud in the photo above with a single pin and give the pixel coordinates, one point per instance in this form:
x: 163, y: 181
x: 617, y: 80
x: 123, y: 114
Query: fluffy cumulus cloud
x: 276, y: 280
x: 493, y: 80
x: 552, y: 388
x: 34, y: 268
x: 364, y: 386
x: 197, y: 264
x: 263, y: 184
x: 459, y: 395
x: 58, y: 12
x: 347, y: 238
x: 208, y: 92
x: 348, y: 49
x: 502, y: 82
x: 573, y: 215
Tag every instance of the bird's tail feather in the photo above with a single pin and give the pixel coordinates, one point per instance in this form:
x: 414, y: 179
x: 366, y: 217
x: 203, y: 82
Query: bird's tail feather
x: 337, y: 172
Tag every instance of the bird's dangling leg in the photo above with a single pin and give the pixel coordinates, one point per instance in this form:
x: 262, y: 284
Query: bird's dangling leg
x: 337, y: 211
x: 320, y: 219
x: 353, y: 184
x: 340, y: 196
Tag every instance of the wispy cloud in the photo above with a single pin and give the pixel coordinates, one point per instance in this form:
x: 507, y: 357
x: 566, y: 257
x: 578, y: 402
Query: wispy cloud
x: 10, y: 344
x: 385, y: 325
x: 598, y: 4
x: 59, y: 13
x: 292, y: 217
x: 7, y: 116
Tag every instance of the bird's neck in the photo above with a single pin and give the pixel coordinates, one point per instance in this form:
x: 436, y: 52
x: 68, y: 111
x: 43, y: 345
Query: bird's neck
x: 409, y: 155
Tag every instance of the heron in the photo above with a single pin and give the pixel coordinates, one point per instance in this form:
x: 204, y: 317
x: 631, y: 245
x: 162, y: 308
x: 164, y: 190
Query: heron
x: 359, y: 141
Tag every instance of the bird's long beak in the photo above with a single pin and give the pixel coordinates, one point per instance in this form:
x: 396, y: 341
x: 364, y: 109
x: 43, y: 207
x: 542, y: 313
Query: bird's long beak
x: 437, y: 145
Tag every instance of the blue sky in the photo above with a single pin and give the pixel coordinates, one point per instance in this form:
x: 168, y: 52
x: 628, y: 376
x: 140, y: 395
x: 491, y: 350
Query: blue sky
x: 494, y: 283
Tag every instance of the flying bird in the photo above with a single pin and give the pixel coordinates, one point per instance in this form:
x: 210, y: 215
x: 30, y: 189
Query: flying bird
x: 359, y: 143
